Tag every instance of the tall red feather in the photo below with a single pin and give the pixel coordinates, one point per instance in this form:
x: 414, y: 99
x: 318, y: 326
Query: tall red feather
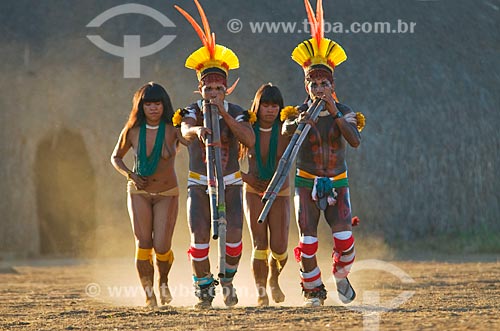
x: 319, y: 21
x: 312, y: 19
x: 213, y: 41
x: 206, y: 26
x: 195, y: 26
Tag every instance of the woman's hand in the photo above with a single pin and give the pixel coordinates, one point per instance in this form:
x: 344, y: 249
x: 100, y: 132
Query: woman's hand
x: 258, y: 184
x: 140, y: 182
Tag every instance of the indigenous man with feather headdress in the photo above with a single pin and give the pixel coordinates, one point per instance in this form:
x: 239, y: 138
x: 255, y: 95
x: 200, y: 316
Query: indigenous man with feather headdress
x: 212, y: 63
x: 321, y: 182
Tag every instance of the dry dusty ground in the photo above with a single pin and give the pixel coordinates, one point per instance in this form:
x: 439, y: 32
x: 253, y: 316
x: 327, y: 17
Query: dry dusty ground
x: 99, y: 295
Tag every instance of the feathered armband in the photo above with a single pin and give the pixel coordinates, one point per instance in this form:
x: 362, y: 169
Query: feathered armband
x: 250, y: 116
x: 289, y: 112
x: 360, y: 119
x: 178, y: 115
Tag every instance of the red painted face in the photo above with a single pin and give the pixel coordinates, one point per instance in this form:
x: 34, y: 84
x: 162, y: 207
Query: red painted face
x: 319, y: 87
x: 213, y: 78
x: 319, y: 83
x: 213, y: 91
x: 213, y: 87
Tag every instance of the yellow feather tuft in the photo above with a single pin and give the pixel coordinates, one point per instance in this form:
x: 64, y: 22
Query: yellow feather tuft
x: 210, y: 55
x: 337, y: 54
x: 328, y: 50
x: 301, y: 54
x: 323, y: 47
x: 198, y: 57
x: 318, y: 49
x: 224, y: 54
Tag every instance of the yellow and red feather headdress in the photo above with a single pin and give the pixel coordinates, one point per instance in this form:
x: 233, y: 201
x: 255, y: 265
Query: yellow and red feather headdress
x: 318, y: 52
x: 210, y: 58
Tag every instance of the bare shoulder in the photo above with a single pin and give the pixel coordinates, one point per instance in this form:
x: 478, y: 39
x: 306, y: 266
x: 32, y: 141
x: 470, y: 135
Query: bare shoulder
x: 170, y: 132
x: 133, y: 134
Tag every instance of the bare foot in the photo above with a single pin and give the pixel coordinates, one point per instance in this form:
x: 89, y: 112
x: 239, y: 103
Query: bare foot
x: 263, y: 301
x: 151, y: 302
x: 276, y: 293
x: 165, y: 295
x: 147, y: 284
x: 229, y: 293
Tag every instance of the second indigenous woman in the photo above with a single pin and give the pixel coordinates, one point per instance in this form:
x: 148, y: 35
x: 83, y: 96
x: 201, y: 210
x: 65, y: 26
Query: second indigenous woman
x: 270, y: 238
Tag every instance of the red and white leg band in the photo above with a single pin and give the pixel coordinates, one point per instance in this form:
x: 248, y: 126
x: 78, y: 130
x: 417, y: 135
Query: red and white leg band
x: 311, y: 279
x: 198, y: 252
x: 234, y: 249
x: 343, y: 253
x: 307, y: 248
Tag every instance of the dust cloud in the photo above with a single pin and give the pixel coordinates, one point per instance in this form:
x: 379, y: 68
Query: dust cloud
x: 119, y: 282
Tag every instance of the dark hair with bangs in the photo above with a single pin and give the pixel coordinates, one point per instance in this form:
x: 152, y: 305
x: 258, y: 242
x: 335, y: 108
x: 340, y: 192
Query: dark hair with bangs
x: 267, y: 93
x: 151, y: 92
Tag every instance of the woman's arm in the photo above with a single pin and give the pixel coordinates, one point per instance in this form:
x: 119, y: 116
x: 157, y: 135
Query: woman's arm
x: 122, y: 147
x: 117, y: 156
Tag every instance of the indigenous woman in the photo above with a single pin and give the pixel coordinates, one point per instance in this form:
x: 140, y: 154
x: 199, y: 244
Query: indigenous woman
x: 152, y: 184
x: 269, y: 238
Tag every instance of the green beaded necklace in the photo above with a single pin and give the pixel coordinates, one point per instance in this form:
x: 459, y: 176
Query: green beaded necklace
x: 266, y: 171
x: 146, y: 165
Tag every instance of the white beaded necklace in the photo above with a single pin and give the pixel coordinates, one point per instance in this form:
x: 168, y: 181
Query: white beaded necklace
x: 266, y: 130
x: 152, y: 127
